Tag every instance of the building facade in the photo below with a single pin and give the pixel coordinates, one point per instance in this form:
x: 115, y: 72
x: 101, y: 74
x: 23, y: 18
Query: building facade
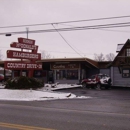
x: 120, y: 67
x: 73, y: 70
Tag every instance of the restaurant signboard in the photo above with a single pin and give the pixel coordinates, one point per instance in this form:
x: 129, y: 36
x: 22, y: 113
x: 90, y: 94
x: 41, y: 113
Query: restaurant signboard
x: 23, y: 55
x: 26, y: 41
x: 21, y: 65
x: 65, y: 66
x: 30, y: 56
x: 23, y: 46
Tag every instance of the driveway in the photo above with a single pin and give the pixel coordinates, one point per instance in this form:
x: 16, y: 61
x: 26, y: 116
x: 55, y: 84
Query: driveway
x: 113, y: 93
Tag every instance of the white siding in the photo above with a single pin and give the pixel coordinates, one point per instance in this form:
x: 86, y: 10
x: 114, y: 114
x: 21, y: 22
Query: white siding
x: 118, y: 80
x: 112, y: 75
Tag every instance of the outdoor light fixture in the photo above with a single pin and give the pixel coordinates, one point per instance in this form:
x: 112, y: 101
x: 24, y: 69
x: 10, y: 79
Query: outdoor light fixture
x: 9, y: 34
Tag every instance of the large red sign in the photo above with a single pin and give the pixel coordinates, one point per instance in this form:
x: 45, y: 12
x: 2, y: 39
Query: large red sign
x: 26, y: 41
x: 23, y: 55
x: 32, y: 56
x: 24, y: 46
x: 21, y: 65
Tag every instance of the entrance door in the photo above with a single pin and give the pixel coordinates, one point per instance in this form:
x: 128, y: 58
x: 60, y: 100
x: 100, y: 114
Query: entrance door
x: 50, y: 77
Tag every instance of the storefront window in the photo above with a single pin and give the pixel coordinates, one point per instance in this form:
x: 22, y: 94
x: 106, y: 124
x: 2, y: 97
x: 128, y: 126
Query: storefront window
x: 37, y: 73
x: 72, y: 74
x: 60, y: 74
x: 66, y: 74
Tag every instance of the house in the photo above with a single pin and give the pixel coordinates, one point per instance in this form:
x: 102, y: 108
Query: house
x: 120, y: 67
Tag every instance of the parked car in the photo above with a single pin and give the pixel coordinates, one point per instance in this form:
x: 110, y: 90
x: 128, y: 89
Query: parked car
x: 97, y: 81
x: 1, y: 77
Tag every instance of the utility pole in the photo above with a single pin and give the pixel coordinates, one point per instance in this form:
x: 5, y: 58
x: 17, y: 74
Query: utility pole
x: 22, y: 50
x: 27, y: 29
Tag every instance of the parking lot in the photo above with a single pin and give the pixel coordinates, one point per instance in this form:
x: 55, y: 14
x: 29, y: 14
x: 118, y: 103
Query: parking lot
x: 112, y: 100
x: 120, y: 93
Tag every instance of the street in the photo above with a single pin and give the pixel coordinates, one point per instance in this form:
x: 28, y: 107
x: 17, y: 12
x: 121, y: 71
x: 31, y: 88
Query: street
x: 105, y: 110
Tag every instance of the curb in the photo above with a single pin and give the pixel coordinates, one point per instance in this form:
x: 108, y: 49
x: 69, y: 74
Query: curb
x: 66, y: 88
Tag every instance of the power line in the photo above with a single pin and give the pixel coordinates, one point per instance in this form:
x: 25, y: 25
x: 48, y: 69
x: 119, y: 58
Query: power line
x: 71, y: 46
x: 75, y: 21
x: 115, y: 25
x: 66, y: 41
x: 115, y: 30
x: 101, y: 29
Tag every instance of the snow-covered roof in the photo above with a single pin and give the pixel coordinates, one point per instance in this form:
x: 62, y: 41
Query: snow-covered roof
x: 119, y: 47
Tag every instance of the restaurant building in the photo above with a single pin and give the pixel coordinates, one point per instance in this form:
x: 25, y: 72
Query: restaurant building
x: 63, y: 70
x: 71, y: 70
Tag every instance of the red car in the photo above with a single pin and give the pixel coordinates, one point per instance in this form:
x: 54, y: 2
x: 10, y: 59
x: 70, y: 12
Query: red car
x: 97, y: 81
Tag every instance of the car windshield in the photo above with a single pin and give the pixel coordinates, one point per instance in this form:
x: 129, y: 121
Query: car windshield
x: 92, y: 77
x: 99, y: 76
x: 102, y: 76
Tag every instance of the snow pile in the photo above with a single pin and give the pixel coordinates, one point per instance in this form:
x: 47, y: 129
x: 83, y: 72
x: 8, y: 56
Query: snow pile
x: 45, y: 93
x: 31, y: 95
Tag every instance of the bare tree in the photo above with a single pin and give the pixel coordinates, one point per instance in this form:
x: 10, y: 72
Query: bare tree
x: 99, y: 57
x: 45, y: 55
x: 110, y: 57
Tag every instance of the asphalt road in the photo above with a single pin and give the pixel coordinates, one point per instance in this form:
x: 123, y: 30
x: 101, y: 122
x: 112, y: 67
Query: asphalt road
x: 106, y: 110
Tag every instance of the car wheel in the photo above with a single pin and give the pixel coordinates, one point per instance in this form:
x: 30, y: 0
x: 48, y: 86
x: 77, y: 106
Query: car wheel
x: 84, y: 85
x: 2, y: 81
x: 109, y: 84
x: 109, y: 81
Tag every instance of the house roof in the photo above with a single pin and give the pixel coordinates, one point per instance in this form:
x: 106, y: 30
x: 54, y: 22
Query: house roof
x: 104, y: 64
x: 119, y: 47
x: 96, y: 64
x: 119, y: 54
x: 90, y: 61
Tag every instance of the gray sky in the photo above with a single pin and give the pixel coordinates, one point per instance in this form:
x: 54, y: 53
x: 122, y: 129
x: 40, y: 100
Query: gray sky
x: 85, y: 42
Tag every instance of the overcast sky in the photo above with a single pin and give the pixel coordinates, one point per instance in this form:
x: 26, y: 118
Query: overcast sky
x: 85, y: 42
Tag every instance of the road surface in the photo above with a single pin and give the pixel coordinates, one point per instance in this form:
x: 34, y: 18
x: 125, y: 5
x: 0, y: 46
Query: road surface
x: 106, y: 110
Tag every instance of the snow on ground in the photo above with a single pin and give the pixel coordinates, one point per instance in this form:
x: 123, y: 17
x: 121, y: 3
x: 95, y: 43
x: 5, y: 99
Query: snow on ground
x: 45, y: 93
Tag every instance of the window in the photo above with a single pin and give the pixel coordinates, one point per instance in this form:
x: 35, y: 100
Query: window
x: 66, y: 74
x: 126, y: 73
x: 37, y: 73
x: 60, y: 74
x: 128, y: 52
x: 72, y: 74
